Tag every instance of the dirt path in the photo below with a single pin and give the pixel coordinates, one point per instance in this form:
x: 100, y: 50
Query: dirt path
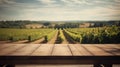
x: 37, y: 41
x: 16, y: 42
x: 65, y: 37
x: 66, y: 40
x: 22, y: 42
x: 4, y: 42
x: 52, y: 41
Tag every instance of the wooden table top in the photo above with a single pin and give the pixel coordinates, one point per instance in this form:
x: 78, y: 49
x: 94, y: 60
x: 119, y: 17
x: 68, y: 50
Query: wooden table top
x: 59, y: 49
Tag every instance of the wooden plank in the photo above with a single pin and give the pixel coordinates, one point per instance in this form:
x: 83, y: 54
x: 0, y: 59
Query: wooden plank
x: 27, y: 50
x: 59, y: 60
x: 96, y: 51
x: 112, y: 49
x: 61, y: 50
x: 79, y: 65
x: 3, y: 46
x: 11, y: 49
x: 43, y: 50
x: 82, y: 50
x: 74, y: 50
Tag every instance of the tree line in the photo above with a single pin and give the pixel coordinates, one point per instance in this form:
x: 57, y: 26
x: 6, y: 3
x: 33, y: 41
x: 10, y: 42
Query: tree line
x: 57, y: 25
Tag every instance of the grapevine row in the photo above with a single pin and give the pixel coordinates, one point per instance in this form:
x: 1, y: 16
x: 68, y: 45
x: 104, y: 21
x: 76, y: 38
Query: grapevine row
x: 95, y: 35
x: 25, y: 34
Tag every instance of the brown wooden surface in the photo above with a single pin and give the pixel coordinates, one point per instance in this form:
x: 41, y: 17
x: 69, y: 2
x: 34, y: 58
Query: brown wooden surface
x: 50, y: 54
x: 60, y: 49
x: 59, y: 60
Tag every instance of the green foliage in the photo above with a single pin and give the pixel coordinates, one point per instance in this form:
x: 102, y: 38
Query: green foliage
x: 24, y: 34
x: 50, y: 35
x: 46, y: 38
x: 29, y: 38
x: 95, y: 35
x: 61, y: 37
x: 74, y: 36
x: 59, y: 40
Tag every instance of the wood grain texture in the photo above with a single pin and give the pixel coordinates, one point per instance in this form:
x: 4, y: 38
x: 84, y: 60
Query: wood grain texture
x: 43, y: 50
x: 60, y: 49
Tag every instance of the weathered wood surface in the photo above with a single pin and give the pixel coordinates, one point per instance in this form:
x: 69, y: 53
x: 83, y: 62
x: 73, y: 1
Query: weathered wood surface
x: 51, y: 54
x: 60, y: 49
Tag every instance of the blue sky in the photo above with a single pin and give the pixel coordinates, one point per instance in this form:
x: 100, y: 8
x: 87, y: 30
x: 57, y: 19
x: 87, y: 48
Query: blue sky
x: 59, y: 10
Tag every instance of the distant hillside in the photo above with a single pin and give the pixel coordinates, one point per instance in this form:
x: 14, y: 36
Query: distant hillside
x: 56, y: 24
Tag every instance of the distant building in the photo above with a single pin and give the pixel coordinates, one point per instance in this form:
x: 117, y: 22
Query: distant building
x: 34, y: 26
x: 84, y: 25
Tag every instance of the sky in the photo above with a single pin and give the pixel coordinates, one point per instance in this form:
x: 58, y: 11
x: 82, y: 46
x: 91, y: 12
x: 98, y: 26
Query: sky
x: 59, y: 10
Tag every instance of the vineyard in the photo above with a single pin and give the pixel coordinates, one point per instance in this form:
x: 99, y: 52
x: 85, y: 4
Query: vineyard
x: 98, y: 35
x: 95, y: 35
x: 25, y: 34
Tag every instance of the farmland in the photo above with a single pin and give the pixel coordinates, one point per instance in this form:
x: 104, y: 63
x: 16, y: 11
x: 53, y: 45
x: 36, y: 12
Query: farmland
x: 60, y: 41
x: 25, y: 34
x: 96, y: 35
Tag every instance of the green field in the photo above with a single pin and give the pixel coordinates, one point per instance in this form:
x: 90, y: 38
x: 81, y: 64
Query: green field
x: 25, y: 34
x: 94, y: 35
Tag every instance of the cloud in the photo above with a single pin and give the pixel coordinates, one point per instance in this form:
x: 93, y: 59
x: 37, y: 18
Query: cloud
x: 7, y: 2
x: 70, y: 14
x: 117, y: 1
x: 81, y: 2
x: 60, y: 9
x: 66, y: 1
x: 47, y: 1
x: 75, y: 2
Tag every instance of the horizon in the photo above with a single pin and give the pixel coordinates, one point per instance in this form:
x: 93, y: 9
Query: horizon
x: 62, y: 20
x: 60, y: 10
